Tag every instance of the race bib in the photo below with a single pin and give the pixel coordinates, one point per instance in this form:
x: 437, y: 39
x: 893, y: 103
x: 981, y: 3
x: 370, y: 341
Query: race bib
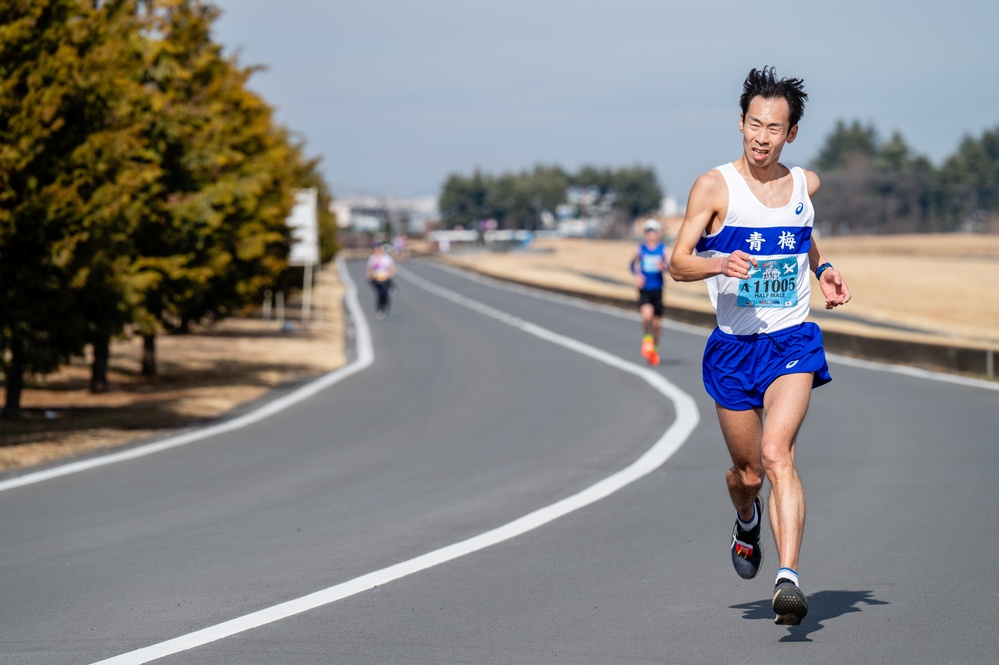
x: 652, y: 263
x: 773, y: 283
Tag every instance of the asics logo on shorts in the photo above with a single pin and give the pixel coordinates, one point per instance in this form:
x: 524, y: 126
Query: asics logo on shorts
x: 791, y: 364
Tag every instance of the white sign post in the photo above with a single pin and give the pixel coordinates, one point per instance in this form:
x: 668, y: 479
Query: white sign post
x: 304, y: 225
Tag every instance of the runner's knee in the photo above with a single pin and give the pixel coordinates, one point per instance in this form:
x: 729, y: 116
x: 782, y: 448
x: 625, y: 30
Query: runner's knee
x: 777, y: 458
x: 748, y: 477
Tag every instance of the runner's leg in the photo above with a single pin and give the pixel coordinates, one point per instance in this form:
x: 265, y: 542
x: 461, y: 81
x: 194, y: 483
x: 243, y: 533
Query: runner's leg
x: 785, y: 403
x: 647, y: 318
x: 743, y: 432
x: 382, y: 295
x: 648, y: 343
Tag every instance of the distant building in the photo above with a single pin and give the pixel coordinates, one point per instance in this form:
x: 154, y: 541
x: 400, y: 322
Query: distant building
x: 369, y: 214
x: 669, y: 207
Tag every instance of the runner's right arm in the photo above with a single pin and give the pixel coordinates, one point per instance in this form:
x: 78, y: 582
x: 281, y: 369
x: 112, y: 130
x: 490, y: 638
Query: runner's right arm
x: 706, y: 207
x: 635, y: 266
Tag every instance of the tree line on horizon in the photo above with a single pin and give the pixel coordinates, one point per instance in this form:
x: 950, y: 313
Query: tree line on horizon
x: 869, y: 186
x: 520, y: 200
x: 143, y: 187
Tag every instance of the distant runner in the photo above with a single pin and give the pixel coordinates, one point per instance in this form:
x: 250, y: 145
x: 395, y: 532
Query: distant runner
x: 380, y: 271
x: 399, y: 245
x: 748, y: 233
x: 648, y: 265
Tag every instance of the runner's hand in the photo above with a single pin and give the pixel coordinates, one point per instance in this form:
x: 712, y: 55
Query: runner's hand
x: 737, y: 264
x: 834, y: 288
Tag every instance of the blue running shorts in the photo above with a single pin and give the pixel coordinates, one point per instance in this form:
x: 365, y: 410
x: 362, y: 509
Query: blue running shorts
x: 738, y: 369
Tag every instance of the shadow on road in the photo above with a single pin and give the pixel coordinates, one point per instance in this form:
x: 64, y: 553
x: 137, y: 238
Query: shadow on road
x: 821, y: 606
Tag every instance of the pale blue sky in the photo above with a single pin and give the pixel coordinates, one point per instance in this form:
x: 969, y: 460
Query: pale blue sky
x: 394, y: 95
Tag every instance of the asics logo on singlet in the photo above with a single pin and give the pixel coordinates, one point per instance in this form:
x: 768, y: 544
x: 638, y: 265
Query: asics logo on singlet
x: 791, y: 364
x: 801, y: 206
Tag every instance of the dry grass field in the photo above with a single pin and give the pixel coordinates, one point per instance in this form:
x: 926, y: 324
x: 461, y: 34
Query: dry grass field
x: 201, y: 376
x: 946, y: 286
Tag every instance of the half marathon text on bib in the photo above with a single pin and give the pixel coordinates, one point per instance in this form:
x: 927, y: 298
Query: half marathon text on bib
x: 774, y: 283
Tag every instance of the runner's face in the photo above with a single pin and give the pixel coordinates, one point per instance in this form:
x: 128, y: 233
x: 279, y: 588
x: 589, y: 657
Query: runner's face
x: 765, y: 129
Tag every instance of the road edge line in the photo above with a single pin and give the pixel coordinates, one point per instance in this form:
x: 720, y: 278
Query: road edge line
x: 365, y: 357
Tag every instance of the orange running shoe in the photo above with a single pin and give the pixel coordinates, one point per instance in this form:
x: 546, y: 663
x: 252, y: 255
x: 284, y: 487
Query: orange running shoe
x: 648, y: 347
x: 654, y: 359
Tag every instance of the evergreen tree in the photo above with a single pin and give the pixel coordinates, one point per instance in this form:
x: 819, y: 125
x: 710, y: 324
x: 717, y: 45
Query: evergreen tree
x: 637, y: 191
x: 971, y: 180
x: 848, y: 144
x: 464, y: 200
x: 71, y: 165
x: 517, y: 200
x: 217, y: 236
x: 874, y: 187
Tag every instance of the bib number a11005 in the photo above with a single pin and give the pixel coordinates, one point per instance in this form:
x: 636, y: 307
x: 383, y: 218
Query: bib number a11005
x: 773, y: 283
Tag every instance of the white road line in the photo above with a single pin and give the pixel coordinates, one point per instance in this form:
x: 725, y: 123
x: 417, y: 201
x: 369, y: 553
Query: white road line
x: 581, y: 303
x: 365, y: 356
x: 915, y: 372
x: 573, y: 301
x: 687, y: 417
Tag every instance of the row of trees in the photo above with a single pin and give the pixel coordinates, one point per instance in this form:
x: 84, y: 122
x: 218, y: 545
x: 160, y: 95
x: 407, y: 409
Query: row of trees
x: 868, y: 186
x: 874, y: 186
x: 143, y: 187
x: 519, y: 200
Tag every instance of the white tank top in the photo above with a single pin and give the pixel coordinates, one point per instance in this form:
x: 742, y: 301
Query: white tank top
x: 776, y: 294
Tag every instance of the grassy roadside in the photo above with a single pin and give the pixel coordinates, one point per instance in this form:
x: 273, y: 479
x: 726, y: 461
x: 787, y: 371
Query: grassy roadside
x: 201, y: 376
x: 944, y: 287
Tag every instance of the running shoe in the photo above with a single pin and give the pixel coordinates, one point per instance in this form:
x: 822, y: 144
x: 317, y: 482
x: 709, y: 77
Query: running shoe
x: 648, y: 347
x: 654, y: 359
x: 789, y: 604
x: 747, y: 555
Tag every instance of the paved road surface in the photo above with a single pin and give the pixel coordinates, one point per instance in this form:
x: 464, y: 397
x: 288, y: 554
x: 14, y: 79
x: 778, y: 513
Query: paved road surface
x: 479, y: 406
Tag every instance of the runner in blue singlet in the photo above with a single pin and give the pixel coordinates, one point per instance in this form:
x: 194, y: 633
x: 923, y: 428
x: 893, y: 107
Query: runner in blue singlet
x: 648, y: 264
x: 747, y: 231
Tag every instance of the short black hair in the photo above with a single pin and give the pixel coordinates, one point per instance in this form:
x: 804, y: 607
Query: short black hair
x: 764, y: 83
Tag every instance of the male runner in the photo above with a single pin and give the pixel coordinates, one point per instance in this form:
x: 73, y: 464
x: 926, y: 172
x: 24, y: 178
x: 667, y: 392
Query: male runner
x: 750, y: 222
x: 648, y: 265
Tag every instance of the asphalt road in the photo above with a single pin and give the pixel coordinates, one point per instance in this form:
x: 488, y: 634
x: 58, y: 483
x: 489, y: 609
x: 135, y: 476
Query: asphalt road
x: 497, y: 479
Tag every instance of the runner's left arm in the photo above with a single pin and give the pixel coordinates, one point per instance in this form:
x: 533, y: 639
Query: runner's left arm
x: 831, y: 282
x: 635, y: 266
